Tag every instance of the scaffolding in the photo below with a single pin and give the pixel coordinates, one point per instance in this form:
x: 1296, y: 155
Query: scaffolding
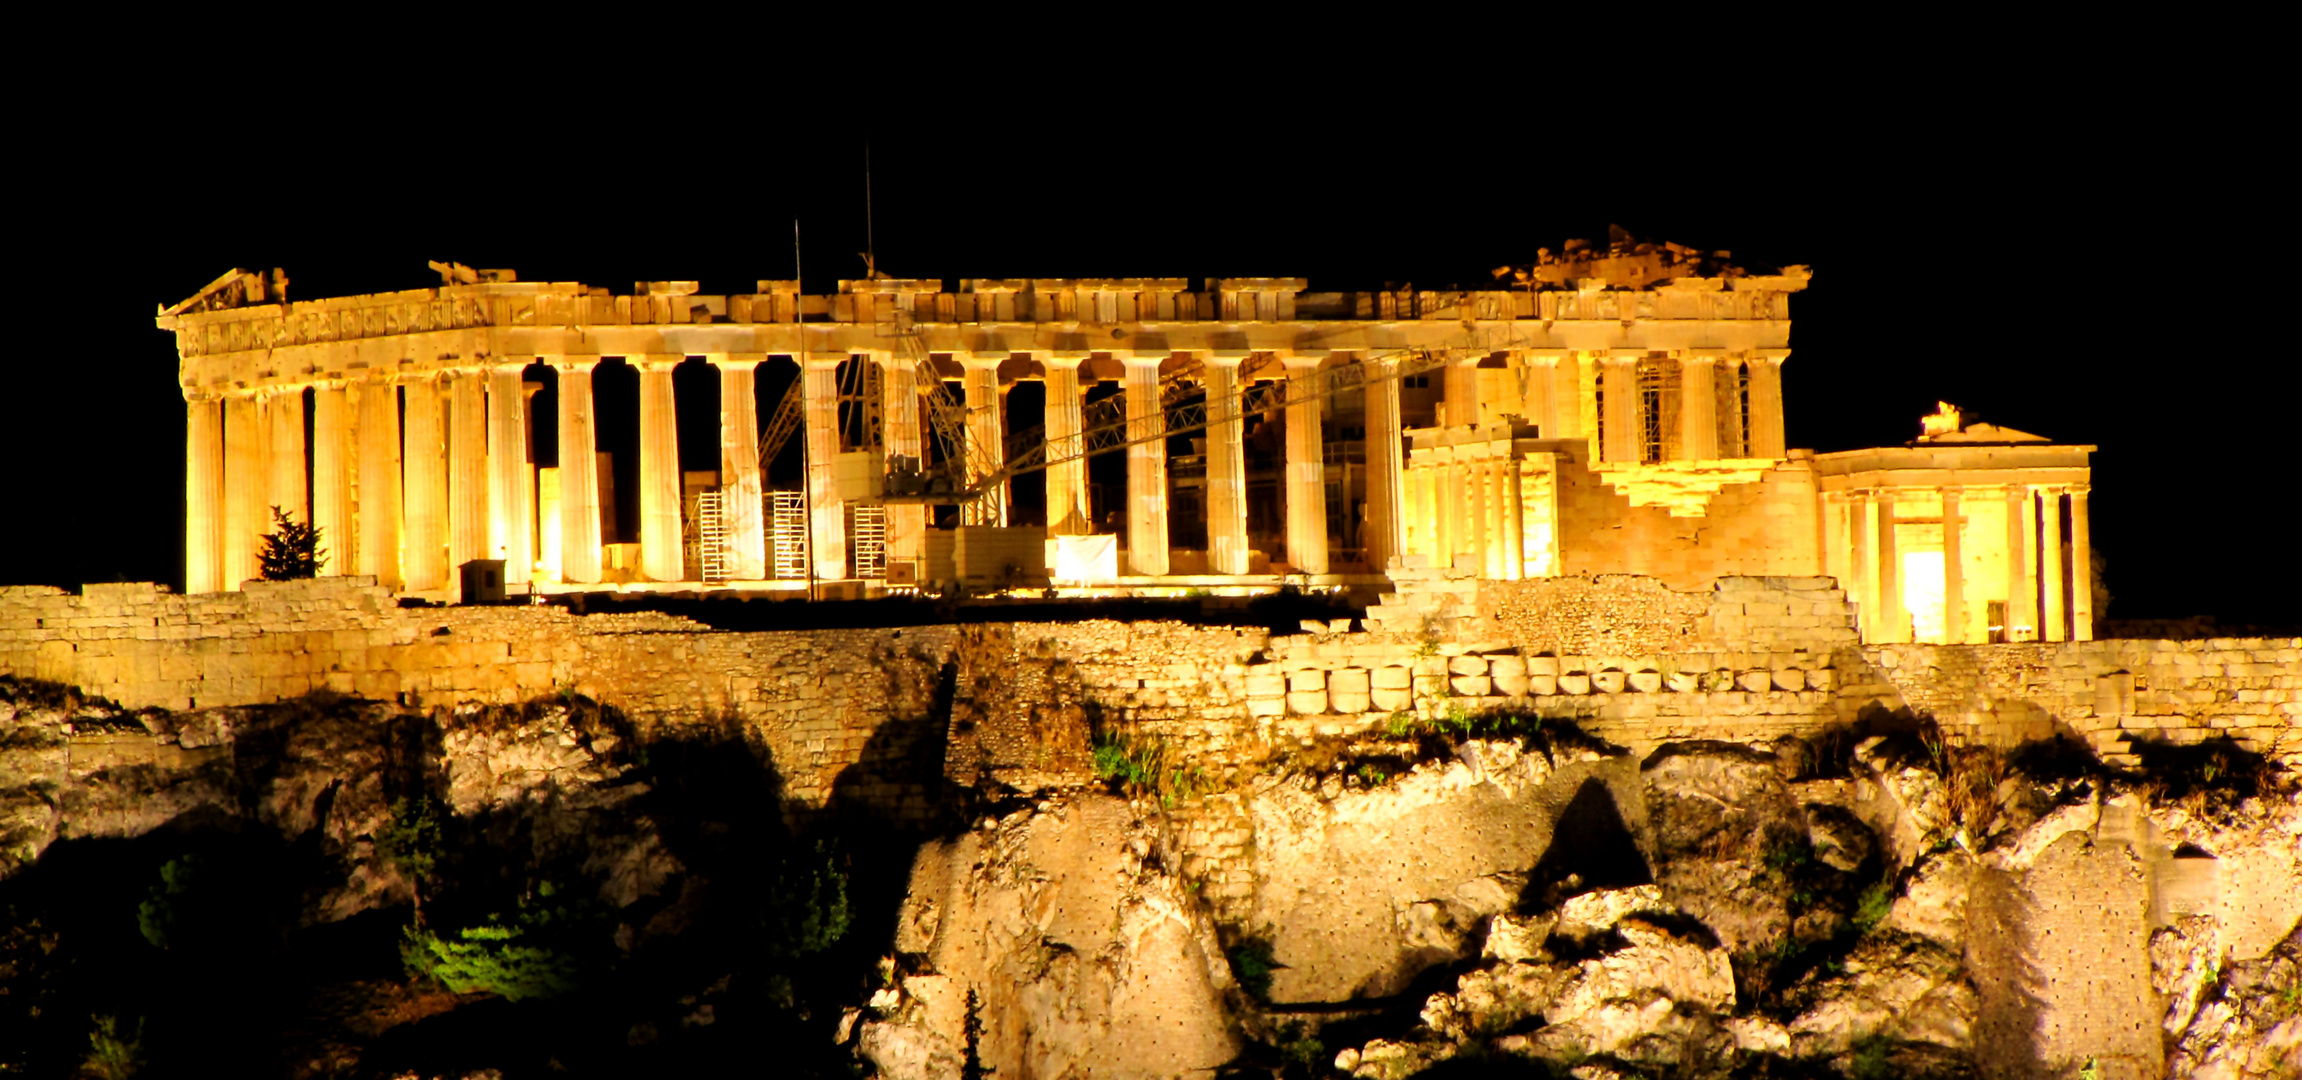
x: 711, y: 536
x: 867, y: 537
x: 787, y: 533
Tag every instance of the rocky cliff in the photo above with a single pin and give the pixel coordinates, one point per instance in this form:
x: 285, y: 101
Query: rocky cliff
x: 1459, y: 896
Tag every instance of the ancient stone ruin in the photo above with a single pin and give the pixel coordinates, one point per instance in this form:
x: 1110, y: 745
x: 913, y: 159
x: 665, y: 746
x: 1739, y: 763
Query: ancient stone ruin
x: 1630, y: 742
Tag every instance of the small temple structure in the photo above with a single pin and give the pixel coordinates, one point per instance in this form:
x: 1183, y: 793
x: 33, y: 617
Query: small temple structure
x: 1612, y: 409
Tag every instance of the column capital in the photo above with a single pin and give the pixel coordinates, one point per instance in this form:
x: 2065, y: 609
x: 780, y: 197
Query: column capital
x: 571, y: 363
x: 742, y: 360
x: 1225, y: 358
x: 1773, y: 356
x: 1135, y: 361
x: 821, y: 360
x: 1704, y: 356
x: 656, y: 361
x: 1625, y: 355
x: 507, y: 363
x: 1550, y: 356
x: 1302, y: 358
x: 1066, y: 359
x: 975, y: 361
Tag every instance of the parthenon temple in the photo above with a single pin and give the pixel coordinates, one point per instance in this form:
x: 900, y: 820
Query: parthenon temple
x: 1615, y: 408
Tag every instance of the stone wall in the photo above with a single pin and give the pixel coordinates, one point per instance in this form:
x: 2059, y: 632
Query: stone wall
x: 1764, y: 527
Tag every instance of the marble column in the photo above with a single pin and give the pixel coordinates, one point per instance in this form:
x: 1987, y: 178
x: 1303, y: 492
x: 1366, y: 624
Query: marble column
x: 660, y: 555
x: 1766, y: 434
x: 1698, y: 407
x: 1146, y: 465
x: 1619, y: 379
x: 901, y: 436
x: 1862, y: 562
x: 2081, y: 569
x: 245, y: 518
x: 1514, y: 519
x: 1734, y: 435
x: 986, y: 434
x: 379, y: 509
x: 2021, y: 565
x: 741, y: 491
x: 827, y: 512
x: 1462, y: 389
x: 284, y: 455
x: 1306, y: 465
x: 1953, y: 570
x: 1386, y: 510
x: 1893, y: 617
x: 1066, y: 471
x: 2050, y: 563
x: 1566, y: 372
x: 510, y: 500
x: 578, y: 471
x: 467, y: 470
x: 203, y: 495
x: 333, y: 463
x: 424, y: 472
x: 1227, y: 550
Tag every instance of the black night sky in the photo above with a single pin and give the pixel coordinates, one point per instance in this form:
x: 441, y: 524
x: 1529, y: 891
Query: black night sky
x: 2091, y: 268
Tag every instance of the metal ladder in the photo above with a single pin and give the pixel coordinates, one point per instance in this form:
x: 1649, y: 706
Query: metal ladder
x: 711, y: 536
x: 787, y: 515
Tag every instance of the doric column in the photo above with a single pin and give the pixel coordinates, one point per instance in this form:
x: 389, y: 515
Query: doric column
x: 578, y: 470
x: 1619, y: 380
x: 1566, y: 372
x: 424, y: 556
x: 2021, y: 561
x: 1146, y: 466
x: 2050, y: 563
x: 1953, y: 570
x: 1491, y: 515
x: 827, y: 512
x: 1462, y: 389
x: 203, y: 495
x: 741, y: 492
x: 1862, y: 562
x: 1698, y: 406
x: 510, y: 504
x: 1386, y: 510
x: 334, y: 460
x: 1226, y: 464
x: 1306, y: 465
x: 1067, y: 471
x: 467, y: 469
x: 986, y: 433
x: 1895, y: 620
x: 1766, y: 438
x: 2081, y: 569
x: 244, y: 516
x: 1514, y: 518
x: 1734, y: 435
x: 284, y: 455
x: 660, y: 554
x: 379, y: 509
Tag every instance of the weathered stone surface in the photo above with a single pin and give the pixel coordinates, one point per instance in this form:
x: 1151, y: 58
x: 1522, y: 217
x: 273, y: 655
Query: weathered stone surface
x: 1717, y: 814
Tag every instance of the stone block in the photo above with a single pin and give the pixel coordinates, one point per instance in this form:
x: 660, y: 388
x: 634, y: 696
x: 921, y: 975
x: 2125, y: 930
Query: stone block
x: 1306, y: 680
x: 1507, y: 667
x: 1392, y: 678
x: 1755, y: 681
x: 1391, y: 699
x: 1349, y: 680
x: 1471, y: 685
x: 1265, y: 684
x: 1511, y: 685
x: 1542, y: 665
x: 1825, y: 679
x: 1467, y: 665
x: 1574, y: 684
x: 1542, y: 685
x: 1789, y: 679
x: 1307, y: 702
x: 1646, y: 682
x: 1349, y: 701
x: 1610, y: 681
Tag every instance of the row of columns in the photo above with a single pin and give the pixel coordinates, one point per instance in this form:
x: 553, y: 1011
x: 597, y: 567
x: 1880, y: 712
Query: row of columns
x: 1553, y: 399
x: 2037, y: 606
x: 408, y: 503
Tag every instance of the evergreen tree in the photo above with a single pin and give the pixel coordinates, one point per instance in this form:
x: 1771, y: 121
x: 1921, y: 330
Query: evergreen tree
x: 291, y: 550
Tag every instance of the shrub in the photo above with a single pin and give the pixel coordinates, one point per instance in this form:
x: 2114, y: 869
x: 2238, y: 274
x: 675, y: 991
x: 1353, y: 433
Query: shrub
x: 164, y: 916
x: 807, y: 908
x: 291, y: 550
x: 515, y: 958
x: 112, y: 1056
x: 412, y: 844
x: 1872, y: 906
x: 1251, y: 965
x: 1138, y: 767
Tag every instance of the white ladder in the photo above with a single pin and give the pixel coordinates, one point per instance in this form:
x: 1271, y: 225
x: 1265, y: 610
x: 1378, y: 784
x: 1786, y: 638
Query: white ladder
x: 711, y: 536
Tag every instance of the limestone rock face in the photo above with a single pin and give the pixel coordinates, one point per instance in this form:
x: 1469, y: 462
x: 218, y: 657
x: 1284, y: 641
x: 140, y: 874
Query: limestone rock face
x: 1721, y: 819
x: 1361, y: 890
x: 1085, y: 957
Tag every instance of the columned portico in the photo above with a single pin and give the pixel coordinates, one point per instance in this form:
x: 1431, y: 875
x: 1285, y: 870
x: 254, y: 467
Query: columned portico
x: 1146, y: 465
x: 1619, y: 408
x: 284, y: 454
x: 1306, y: 468
x: 1953, y: 569
x: 2081, y: 568
x: 1067, y: 478
x: 901, y: 436
x: 578, y: 470
x: 203, y: 495
x: 2050, y: 562
x: 2021, y: 563
x: 741, y: 490
x: 1894, y: 619
x: 1462, y: 390
x: 1698, y: 406
x: 1766, y: 431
